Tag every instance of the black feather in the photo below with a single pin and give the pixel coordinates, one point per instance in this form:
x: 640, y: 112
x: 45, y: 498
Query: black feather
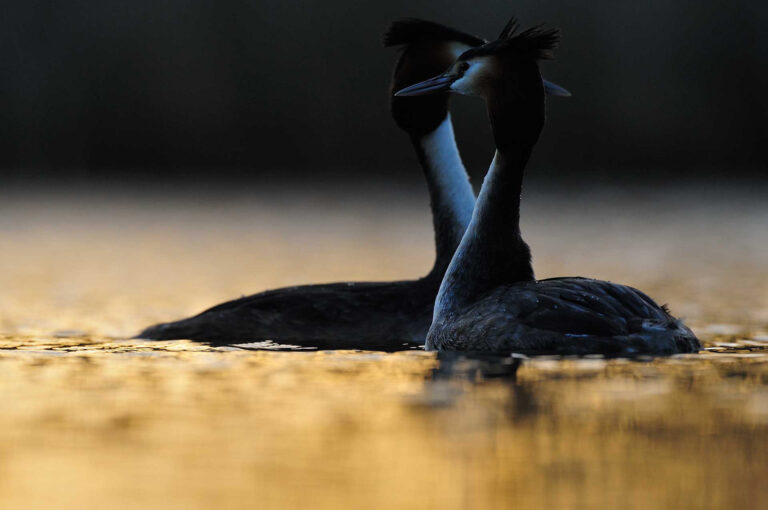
x: 411, y: 30
x: 510, y: 29
x: 537, y: 42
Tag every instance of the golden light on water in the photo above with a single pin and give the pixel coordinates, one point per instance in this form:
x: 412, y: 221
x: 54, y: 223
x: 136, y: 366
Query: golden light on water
x: 91, y: 419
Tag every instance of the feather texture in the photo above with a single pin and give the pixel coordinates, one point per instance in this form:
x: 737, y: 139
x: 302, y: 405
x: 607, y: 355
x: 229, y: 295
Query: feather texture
x: 564, y: 316
x: 538, y: 43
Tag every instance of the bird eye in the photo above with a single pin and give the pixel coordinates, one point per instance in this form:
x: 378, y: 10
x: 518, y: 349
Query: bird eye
x: 463, y: 66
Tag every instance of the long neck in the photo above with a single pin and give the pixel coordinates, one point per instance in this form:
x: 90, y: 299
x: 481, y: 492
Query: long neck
x: 450, y: 192
x: 492, y: 251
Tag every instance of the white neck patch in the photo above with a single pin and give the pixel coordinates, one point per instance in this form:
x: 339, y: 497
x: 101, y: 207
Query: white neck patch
x: 448, y: 171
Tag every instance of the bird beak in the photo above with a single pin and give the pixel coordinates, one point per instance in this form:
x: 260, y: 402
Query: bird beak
x: 443, y: 82
x: 437, y: 84
x: 555, y: 90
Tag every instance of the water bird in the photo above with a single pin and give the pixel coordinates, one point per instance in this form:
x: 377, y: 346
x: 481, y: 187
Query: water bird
x: 368, y: 315
x: 489, y: 301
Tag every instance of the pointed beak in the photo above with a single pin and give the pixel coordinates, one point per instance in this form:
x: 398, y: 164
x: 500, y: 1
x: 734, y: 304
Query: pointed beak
x: 437, y: 84
x: 555, y: 90
x: 443, y: 82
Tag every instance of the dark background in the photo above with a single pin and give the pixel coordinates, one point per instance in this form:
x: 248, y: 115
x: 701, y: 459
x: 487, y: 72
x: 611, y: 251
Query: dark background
x: 231, y: 90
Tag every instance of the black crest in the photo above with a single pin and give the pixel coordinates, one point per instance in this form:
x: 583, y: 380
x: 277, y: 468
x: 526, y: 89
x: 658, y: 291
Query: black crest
x: 411, y: 30
x: 537, y: 42
x: 509, y: 29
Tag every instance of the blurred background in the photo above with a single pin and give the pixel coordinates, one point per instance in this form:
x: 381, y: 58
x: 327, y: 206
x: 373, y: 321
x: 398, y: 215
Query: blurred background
x: 234, y: 91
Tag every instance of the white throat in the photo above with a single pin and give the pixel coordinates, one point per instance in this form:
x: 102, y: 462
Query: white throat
x: 448, y: 172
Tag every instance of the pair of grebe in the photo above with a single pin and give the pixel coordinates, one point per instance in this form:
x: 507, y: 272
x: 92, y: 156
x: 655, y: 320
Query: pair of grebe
x: 488, y: 301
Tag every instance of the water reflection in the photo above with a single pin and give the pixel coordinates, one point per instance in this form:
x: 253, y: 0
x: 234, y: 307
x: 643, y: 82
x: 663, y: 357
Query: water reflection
x: 89, y: 416
x: 184, y: 420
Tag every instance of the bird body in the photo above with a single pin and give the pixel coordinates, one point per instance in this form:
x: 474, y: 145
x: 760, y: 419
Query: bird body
x: 367, y: 315
x: 383, y: 316
x: 489, y: 301
x: 562, y: 316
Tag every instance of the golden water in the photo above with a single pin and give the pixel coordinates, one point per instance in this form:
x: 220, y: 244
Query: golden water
x: 91, y: 419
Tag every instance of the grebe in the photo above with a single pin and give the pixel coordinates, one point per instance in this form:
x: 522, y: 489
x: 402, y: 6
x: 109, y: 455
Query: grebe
x: 368, y: 315
x: 489, y: 301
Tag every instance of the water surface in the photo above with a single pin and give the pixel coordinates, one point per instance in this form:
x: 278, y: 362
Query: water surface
x: 92, y: 419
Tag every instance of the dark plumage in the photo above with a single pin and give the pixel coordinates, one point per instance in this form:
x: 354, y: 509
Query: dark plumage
x: 357, y: 315
x: 537, y: 42
x: 563, y: 316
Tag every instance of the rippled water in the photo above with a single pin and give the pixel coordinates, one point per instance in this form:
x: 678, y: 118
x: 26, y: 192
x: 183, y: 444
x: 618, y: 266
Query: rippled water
x: 91, y: 419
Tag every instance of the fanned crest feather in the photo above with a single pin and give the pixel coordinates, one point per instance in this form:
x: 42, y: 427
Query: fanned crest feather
x: 509, y: 29
x: 537, y: 42
x: 540, y: 41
